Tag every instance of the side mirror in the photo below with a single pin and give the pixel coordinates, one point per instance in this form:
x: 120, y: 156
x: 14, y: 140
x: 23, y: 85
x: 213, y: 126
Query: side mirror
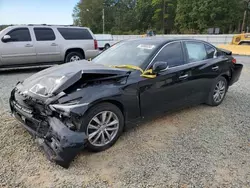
x: 160, y: 66
x: 6, y: 38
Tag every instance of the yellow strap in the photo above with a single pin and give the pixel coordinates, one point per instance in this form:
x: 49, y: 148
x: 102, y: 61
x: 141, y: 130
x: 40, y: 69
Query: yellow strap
x: 146, y: 74
x: 128, y: 66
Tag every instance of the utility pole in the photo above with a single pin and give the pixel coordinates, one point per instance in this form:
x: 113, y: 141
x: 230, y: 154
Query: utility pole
x: 243, y: 27
x: 247, y: 18
x: 103, y: 20
x: 163, y: 17
x: 244, y: 20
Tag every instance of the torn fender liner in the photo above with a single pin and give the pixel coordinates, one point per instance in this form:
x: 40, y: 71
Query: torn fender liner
x: 61, y: 144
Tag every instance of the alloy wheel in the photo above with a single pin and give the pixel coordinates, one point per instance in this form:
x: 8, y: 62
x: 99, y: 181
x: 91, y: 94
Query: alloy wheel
x: 102, y: 128
x: 219, y: 91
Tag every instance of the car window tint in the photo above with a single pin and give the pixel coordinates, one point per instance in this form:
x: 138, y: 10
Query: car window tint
x: 20, y: 35
x: 210, y: 51
x: 44, y: 34
x: 196, y: 51
x: 75, y: 33
x: 172, y: 54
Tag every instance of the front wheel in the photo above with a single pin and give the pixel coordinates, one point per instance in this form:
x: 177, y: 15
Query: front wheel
x: 103, y: 124
x: 218, y: 92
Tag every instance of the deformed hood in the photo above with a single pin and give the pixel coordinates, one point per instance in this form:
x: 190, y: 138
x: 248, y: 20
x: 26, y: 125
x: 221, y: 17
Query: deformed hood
x: 53, y: 80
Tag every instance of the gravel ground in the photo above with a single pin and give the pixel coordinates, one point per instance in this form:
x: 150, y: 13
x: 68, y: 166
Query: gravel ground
x: 196, y: 147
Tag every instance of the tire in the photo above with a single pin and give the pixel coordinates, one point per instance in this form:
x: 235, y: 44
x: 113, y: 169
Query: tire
x: 98, y: 110
x: 73, y: 55
x: 107, y: 46
x: 214, y: 89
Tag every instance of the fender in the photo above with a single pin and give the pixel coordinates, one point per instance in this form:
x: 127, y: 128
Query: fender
x: 126, y: 98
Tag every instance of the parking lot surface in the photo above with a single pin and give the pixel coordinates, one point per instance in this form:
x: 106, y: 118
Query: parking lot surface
x: 200, y: 146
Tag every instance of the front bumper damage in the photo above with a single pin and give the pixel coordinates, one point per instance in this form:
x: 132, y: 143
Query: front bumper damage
x: 60, y: 143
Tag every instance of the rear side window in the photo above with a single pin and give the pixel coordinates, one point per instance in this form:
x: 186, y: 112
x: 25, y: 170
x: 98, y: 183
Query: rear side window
x: 44, y: 34
x: 196, y: 51
x: 20, y: 35
x: 210, y: 51
x: 75, y: 33
x: 172, y: 54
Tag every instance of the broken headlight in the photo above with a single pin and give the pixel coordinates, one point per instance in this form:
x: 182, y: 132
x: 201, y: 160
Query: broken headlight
x: 46, y: 86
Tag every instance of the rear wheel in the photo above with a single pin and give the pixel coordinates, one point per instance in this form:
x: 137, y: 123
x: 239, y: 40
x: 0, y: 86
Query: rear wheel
x: 73, y: 56
x: 103, y: 124
x: 107, y: 46
x: 218, y: 92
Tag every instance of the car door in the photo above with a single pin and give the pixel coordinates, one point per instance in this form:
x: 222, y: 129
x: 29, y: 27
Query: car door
x: 19, y: 49
x: 203, y: 67
x: 47, y: 48
x: 171, y: 88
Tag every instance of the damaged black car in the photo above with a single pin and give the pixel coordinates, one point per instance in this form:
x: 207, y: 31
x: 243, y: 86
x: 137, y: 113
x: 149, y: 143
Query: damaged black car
x: 87, y: 104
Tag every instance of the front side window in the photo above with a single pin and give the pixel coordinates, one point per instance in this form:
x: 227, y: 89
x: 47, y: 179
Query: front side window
x: 172, y: 54
x: 44, y: 34
x: 20, y: 35
x: 196, y: 51
x: 75, y: 34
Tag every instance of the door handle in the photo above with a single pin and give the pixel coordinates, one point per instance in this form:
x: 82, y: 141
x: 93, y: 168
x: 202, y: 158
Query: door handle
x: 28, y: 45
x: 53, y: 44
x: 215, y: 68
x: 183, y: 77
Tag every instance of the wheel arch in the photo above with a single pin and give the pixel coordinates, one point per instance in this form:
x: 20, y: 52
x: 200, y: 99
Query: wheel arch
x: 226, y: 77
x: 80, y: 50
x: 112, y: 101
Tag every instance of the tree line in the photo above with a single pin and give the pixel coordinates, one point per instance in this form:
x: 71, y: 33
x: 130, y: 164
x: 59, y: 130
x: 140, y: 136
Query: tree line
x: 162, y: 16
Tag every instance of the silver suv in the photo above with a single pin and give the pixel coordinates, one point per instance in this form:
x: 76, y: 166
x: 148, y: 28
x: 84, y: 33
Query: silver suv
x: 39, y: 45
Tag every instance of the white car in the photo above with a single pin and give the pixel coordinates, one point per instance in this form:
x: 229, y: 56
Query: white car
x: 105, y: 41
x: 38, y: 45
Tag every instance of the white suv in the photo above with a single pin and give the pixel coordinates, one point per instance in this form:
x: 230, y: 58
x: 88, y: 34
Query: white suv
x: 39, y: 45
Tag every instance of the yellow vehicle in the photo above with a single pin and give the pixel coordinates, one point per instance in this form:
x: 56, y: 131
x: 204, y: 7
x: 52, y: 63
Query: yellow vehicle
x: 240, y: 44
x: 241, y: 39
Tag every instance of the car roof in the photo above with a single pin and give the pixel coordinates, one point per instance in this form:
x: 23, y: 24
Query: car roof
x: 45, y: 25
x: 162, y: 40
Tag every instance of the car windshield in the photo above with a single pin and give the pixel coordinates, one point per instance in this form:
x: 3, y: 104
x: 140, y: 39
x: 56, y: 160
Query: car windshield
x: 127, y: 53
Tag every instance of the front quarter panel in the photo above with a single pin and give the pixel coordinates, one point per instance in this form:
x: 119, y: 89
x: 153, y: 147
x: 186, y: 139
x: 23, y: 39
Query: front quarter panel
x: 124, y: 95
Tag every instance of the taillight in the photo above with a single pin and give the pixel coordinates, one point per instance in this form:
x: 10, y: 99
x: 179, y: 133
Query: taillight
x: 234, y: 61
x: 95, y: 44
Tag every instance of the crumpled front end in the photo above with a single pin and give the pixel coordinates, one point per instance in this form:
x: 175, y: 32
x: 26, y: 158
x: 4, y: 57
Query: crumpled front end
x: 60, y: 143
x: 51, y: 104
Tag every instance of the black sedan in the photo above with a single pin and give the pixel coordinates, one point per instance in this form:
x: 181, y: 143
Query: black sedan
x: 88, y: 104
